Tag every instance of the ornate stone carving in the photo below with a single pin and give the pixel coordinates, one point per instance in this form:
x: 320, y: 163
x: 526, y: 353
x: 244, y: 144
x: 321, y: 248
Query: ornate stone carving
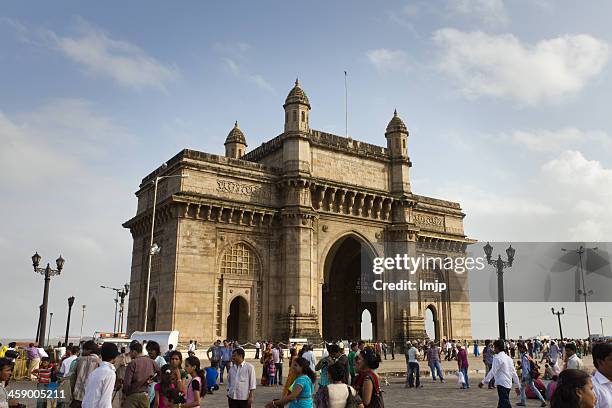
x: 251, y: 190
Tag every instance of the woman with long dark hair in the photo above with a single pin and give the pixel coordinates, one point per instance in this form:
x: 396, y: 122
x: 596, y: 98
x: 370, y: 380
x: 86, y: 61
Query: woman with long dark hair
x: 196, y: 387
x: 301, y: 389
x: 366, y: 383
x: 574, y: 390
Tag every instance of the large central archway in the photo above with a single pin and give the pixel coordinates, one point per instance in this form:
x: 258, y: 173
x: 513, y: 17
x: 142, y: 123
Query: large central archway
x: 342, y: 301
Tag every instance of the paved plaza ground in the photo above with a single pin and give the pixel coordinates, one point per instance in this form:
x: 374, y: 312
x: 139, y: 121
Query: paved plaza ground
x: 395, y: 395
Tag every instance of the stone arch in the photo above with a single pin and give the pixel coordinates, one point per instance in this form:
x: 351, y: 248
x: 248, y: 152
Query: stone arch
x: 344, y: 296
x: 333, y: 245
x: 432, y: 311
x: 238, y: 319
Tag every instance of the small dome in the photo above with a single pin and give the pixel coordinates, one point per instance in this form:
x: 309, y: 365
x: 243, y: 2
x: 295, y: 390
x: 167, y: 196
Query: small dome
x: 297, y: 95
x: 236, y: 136
x: 396, y: 124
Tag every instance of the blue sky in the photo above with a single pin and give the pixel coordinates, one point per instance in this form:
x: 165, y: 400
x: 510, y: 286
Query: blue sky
x: 507, y: 104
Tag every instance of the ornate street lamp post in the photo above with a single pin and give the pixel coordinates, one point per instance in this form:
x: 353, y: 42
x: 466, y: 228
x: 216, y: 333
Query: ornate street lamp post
x: 153, y: 247
x: 120, y: 293
x: 47, y: 272
x: 562, y: 312
x: 70, y: 303
x: 583, y: 292
x: 500, y: 264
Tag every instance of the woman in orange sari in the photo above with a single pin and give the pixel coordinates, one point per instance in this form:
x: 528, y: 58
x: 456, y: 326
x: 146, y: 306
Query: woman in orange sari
x: 266, y: 358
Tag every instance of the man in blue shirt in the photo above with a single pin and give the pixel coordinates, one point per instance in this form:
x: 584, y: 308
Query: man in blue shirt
x: 527, y: 378
x: 226, y: 359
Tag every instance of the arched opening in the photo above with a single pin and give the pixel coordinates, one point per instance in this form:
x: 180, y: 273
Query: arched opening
x: 343, y: 303
x: 366, y: 325
x: 431, y: 323
x: 238, y: 320
x: 152, y: 314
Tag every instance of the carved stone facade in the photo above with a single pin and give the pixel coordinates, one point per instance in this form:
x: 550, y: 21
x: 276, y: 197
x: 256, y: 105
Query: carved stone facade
x: 259, y: 245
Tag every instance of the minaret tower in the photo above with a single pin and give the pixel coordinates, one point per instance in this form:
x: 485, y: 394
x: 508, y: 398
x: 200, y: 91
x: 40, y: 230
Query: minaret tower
x: 297, y: 110
x: 235, y: 143
x: 397, y: 147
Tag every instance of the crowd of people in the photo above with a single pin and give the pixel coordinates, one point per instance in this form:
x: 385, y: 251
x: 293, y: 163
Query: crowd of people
x: 141, y: 376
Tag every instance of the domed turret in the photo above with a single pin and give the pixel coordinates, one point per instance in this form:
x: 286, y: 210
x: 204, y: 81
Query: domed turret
x: 297, y: 95
x: 396, y: 124
x: 297, y: 107
x: 235, y: 143
x: 397, y: 148
x: 397, y: 137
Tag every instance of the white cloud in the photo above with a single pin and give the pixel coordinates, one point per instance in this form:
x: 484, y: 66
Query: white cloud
x: 544, y: 140
x: 236, y: 59
x: 385, y: 59
x: 502, y: 66
x: 53, y: 141
x: 125, y: 63
x: 491, y: 12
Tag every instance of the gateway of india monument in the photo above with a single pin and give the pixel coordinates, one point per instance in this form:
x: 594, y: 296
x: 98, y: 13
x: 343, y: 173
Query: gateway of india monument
x: 269, y: 243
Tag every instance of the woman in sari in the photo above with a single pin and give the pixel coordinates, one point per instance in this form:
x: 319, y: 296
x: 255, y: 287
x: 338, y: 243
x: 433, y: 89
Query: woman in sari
x: 266, y: 358
x: 302, y: 388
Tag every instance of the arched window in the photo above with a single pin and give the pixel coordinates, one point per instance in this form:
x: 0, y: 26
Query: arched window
x: 303, y: 116
x: 404, y: 143
x: 240, y: 259
x: 295, y: 116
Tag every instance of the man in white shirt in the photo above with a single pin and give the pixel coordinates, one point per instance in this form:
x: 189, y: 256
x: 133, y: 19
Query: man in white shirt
x: 413, y: 369
x: 602, y: 379
x: 504, y: 373
x: 572, y: 361
x: 72, y: 354
x: 310, y: 357
x: 241, y: 382
x: 101, y: 382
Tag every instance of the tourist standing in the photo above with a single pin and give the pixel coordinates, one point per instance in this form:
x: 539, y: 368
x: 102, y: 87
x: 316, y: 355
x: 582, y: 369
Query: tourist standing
x: 241, y: 382
x: 310, y: 357
x: 433, y: 360
x: 33, y: 360
x: 602, y: 379
x: 553, y: 354
x: 101, y: 382
x: 528, y: 376
x: 6, y: 371
x: 84, y: 366
x: 367, y: 384
x: 487, y: 358
x: 476, y: 350
x: 196, y: 387
x: 504, y: 373
x: 257, y: 349
x: 462, y: 363
x: 226, y: 359
x: 154, y: 352
x: 412, y: 366
x: 335, y: 394
x: 278, y: 363
x: 138, y: 375
x: 302, y: 388
x: 571, y: 359
x: 574, y: 390
x: 214, y: 355
x: 351, y: 361
x: 191, y: 346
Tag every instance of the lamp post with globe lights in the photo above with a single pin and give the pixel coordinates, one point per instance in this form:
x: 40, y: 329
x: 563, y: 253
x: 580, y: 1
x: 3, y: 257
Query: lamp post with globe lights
x: 153, y: 247
x: 47, y: 272
x: 500, y: 264
x: 583, y: 292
